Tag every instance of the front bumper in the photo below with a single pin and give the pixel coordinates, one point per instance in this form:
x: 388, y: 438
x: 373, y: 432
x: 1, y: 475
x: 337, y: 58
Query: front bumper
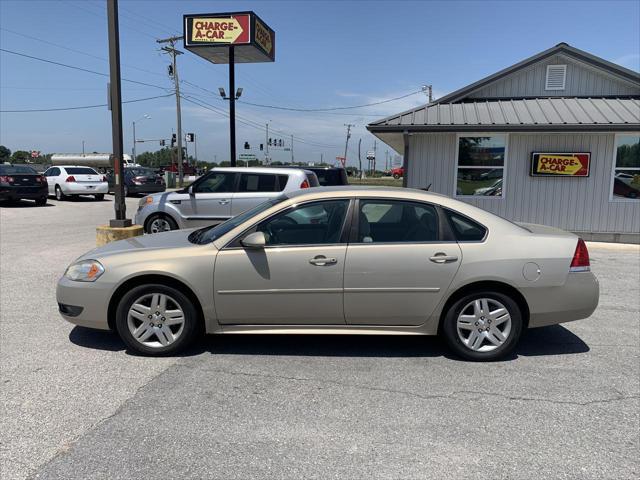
x: 92, y: 297
x: 576, y: 299
x: 85, y: 188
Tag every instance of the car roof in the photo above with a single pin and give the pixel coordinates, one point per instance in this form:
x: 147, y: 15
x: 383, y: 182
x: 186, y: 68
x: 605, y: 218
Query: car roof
x: 274, y: 170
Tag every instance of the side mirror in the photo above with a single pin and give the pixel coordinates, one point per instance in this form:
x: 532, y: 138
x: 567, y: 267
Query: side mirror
x: 254, y: 240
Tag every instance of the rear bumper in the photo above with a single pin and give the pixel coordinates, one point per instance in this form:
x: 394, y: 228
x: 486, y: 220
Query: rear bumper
x: 16, y: 193
x: 84, y: 188
x: 146, y: 188
x: 84, y: 303
x: 576, y: 299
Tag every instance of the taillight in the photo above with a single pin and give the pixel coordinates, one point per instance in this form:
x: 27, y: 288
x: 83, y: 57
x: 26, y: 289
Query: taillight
x: 304, y: 184
x: 6, y: 179
x: 580, y: 262
x: 104, y: 178
x: 41, y: 179
x: 70, y: 178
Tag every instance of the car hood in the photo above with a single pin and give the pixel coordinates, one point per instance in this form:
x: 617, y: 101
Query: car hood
x: 164, y: 240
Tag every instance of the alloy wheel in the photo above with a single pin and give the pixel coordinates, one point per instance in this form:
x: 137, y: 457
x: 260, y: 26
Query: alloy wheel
x: 483, y: 325
x: 159, y: 225
x: 156, y: 320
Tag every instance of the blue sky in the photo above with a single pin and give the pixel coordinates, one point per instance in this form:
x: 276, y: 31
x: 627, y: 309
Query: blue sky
x: 328, y: 54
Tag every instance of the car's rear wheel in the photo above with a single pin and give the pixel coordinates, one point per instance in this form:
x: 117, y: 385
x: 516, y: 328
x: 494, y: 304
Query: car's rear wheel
x: 483, y: 326
x: 156, y: 319
x: 99, y: 196
x: 160, y: 223
x: 41, y: 202
x: 59, y: 194
x: 396, y: 176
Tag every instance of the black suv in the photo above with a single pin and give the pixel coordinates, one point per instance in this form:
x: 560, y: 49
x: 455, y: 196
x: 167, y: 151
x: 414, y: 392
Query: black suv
x: 329, y: 176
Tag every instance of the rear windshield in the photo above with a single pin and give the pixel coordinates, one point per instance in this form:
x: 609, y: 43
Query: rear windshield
x: 80, y: 171
x: 140, y: 171
x: 328, y: 178
x: 312, y: 178
x: 209, y: 234
x: 12, y: 170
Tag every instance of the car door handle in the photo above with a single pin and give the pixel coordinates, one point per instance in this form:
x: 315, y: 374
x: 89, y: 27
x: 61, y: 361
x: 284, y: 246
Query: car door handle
x: 321, y: 261
x: 442, y: 257
x: 223, y: 202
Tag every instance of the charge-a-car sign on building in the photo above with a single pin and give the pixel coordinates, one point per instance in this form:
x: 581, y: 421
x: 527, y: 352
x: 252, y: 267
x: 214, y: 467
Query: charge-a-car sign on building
x: 558, y: 129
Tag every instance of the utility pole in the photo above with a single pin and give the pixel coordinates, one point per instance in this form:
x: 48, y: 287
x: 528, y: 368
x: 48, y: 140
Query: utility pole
x: 386, y: 160
x: 375, y: 149
x: 266, y: 145
x: 176, y: 81
x: 291, y: 148
x: 83, y: 148
x: 121, y: 220
x: 346, y: 145
x: 232, y: 104
x: 428, y: 90
x: 359, y: 159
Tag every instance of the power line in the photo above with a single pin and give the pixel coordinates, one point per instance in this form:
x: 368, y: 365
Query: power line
x: 97, y: 57
x: 78, y: 68
x: 330, y: 108
x: 83, y: 107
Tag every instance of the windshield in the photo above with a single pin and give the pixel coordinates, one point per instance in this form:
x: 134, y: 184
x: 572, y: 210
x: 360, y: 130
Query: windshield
x: 209, y: 234
x: 140, y: 172
x: 11, y: 170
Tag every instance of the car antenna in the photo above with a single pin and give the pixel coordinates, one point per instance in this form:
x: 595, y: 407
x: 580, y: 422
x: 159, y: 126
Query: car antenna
x: 427, y: 189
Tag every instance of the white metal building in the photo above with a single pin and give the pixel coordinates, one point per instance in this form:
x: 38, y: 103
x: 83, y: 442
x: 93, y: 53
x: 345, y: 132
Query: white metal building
x: 554, y: 139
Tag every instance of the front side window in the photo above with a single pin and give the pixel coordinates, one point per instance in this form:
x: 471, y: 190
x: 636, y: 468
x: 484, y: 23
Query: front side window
x: 314, y: 223
x: 382, y: 221
x: 259, y: 182
x: 480, y: 167
x: 215, y: 182
x: 626, y: 174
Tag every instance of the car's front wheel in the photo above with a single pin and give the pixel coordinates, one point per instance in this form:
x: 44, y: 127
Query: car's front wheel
x: 160, y: 223
x: 483, y: 326
x: 156, y: 319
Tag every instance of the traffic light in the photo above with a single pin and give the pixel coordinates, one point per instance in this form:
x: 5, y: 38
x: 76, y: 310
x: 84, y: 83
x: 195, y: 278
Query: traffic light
x: 246, y: 146
x: 173, y: 140
x: 162, y: 143
x: 280, y: 142
x: 190, y: 137
x: 261, y: 147
x: 170, y: 70
x: 270, y: 142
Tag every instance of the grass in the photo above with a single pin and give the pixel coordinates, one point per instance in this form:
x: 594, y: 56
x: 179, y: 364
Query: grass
x: 380, y: 182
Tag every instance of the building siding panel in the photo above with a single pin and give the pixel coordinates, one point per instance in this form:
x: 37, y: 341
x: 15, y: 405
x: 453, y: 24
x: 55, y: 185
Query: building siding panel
x: 582, y: 80
x: 576, y: 204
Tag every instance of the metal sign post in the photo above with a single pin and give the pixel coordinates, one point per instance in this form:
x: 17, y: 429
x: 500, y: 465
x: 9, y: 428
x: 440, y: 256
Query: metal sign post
x: 121, y: 219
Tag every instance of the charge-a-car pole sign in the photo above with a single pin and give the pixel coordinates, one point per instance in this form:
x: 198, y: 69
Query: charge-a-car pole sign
x: 560, y: 164
x: 238, y: 37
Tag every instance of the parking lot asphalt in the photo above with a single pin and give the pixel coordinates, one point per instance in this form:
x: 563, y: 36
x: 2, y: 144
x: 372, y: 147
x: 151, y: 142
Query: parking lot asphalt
x: 76, y: 404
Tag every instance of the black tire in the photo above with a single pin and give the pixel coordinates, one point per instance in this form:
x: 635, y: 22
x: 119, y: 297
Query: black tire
x: 172, y: 223
x: 191, y: 320
x: 59, y: 195
x: 41, y: 202
x: 450, y: 332
x: 99, y: 196
x: 396, y: 176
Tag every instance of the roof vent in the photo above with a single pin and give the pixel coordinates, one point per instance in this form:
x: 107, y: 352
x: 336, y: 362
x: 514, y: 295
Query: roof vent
x: 556, y: 77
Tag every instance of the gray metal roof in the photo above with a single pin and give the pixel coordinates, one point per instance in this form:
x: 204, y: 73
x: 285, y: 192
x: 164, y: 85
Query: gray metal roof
x: 527, y: 114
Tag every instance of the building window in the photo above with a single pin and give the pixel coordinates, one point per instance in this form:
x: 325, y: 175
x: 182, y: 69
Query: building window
x: 480, y: 167
x: 556, y: 77
x: 626, y: 171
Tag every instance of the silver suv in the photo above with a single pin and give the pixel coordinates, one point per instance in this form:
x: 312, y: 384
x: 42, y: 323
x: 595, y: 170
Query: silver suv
x: 218, y: 195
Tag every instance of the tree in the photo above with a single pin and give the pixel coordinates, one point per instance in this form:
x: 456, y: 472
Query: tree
x: 5, y: 154
x: 20, y: 156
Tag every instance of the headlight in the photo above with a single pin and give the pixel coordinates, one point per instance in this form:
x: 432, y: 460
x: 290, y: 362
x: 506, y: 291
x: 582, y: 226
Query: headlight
x: 145, y: 200
x: 84, y: 271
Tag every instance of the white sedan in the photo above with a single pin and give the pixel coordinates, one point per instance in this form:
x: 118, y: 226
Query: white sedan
x: 76, y: 180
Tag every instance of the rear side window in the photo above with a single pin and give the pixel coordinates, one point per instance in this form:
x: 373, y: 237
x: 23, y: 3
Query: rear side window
x: 384, y: 221
x: 260, y: 182
x: 465, y: 229
x: 81, y: 171
x: 11, y: 170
